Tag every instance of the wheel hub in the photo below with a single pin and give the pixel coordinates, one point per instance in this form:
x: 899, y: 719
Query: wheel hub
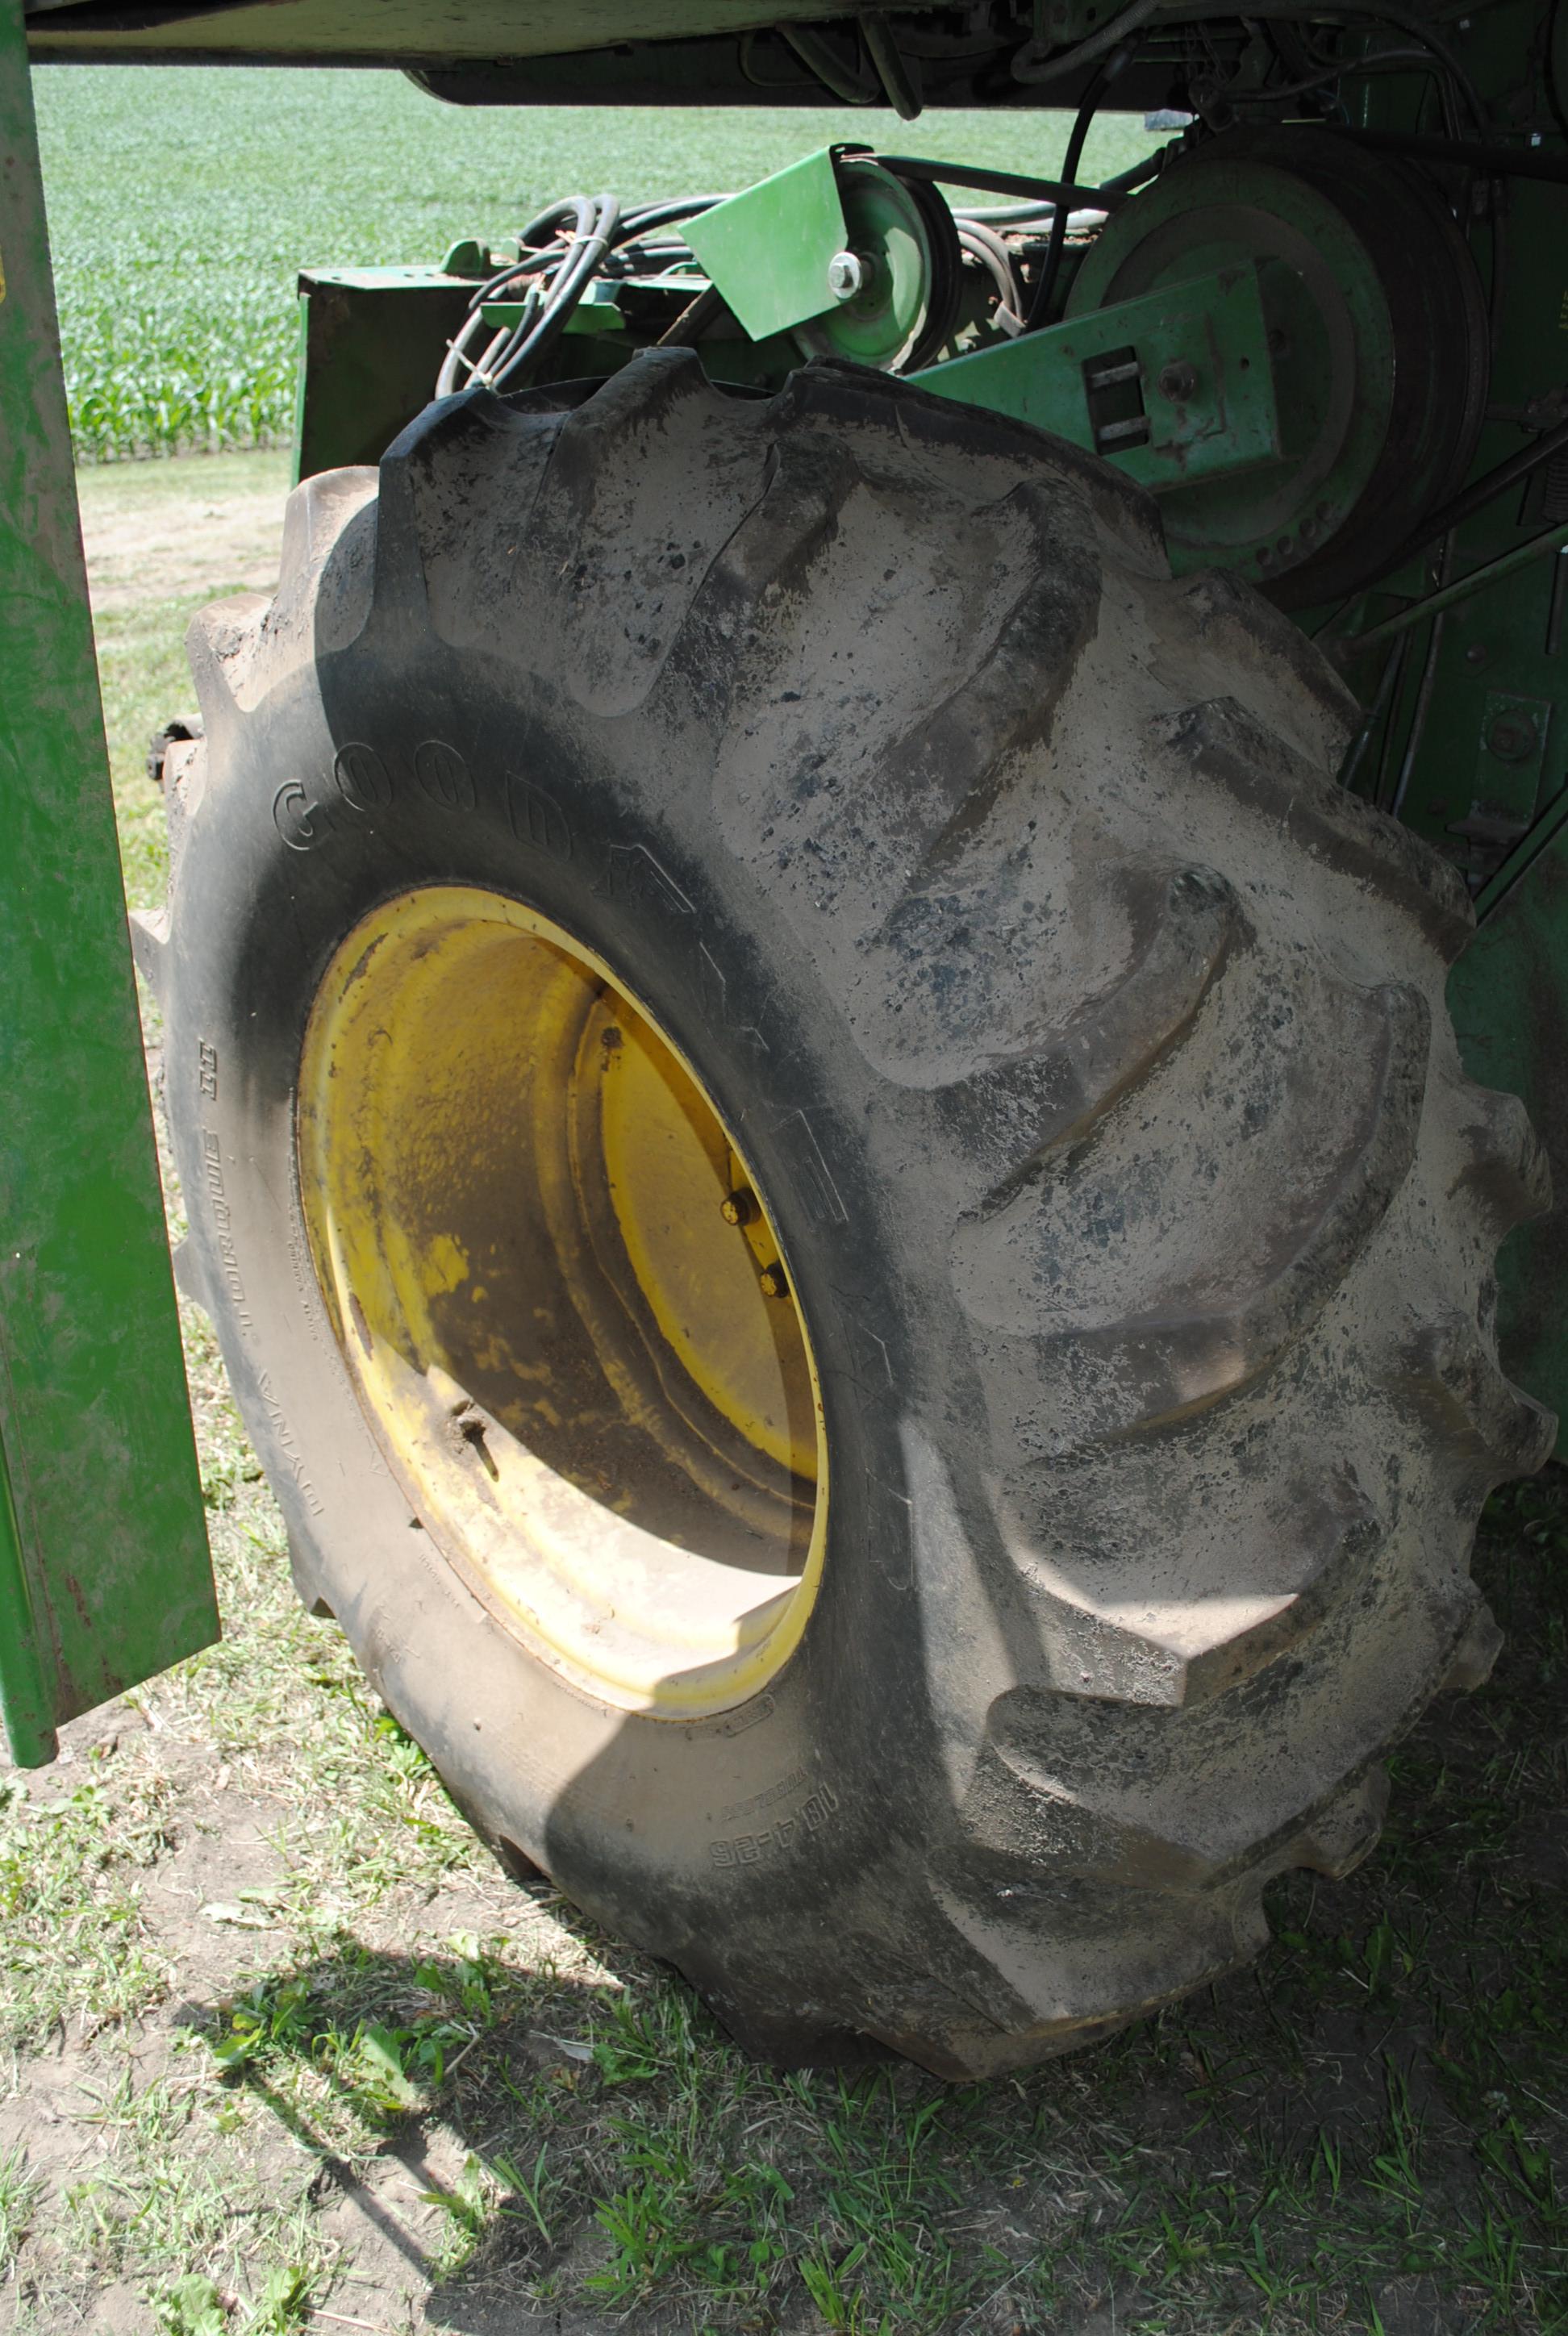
x: 563, y: 1302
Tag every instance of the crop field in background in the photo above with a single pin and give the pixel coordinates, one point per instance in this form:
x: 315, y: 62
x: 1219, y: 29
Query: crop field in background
x: 182, y: 203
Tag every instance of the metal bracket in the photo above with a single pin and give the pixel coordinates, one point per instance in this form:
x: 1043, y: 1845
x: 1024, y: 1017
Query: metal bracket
x: 768, y: 250
x: 1173, y: 386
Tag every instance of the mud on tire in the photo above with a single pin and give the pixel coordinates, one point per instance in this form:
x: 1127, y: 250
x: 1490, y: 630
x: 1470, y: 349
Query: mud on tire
x: 1091, y: 1045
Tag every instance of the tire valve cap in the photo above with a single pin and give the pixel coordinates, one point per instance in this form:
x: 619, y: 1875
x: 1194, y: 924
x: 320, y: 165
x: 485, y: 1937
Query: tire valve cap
x: 774, y: 1281
x: 740, y: 1207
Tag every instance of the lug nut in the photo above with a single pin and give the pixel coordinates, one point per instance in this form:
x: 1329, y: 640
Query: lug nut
x: 774, y: 1281
x: 740, y: 1207
x: 847, y: 274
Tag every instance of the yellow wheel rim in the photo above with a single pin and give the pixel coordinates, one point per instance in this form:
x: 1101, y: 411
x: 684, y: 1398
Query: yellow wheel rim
x: 564, y: 1305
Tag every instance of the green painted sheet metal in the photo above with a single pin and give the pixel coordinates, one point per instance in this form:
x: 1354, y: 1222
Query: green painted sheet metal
x: 1550, y: 541
x: 104, y: 1576
x: 26, y: 1705
x: 1173, y: 386
x: 602, y: 307
x: 768, y: 250
x: 1475, y: 750
x: 371, y: 343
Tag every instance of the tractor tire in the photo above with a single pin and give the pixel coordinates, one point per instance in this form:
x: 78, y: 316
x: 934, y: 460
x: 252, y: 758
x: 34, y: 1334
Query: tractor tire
x: 852, y: 760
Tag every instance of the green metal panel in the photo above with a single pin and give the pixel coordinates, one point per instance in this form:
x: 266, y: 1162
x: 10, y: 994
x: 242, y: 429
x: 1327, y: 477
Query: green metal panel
x: 1174, y: 386
x: 600, y: 308
x: 103, y: 1567
x: 768, y: 250
x: 1475, y: 751
x: 371, y: 343
x: 1537, y: 549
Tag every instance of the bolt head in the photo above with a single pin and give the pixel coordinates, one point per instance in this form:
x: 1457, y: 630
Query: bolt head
x: 847, y: 275
x: 1177, y: 382
x: 1512, y: 738
x: 774, y: 1281
x: 740, y: 1207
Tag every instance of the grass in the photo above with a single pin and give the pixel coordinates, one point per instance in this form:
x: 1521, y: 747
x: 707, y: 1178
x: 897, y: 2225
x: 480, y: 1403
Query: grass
x: 176, y: 264
x: 19, y: 2193
x: 75, y: 1949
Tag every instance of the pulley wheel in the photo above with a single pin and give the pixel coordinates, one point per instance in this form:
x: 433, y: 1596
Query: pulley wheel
x: 902, y: 233
x: 1378, y: 335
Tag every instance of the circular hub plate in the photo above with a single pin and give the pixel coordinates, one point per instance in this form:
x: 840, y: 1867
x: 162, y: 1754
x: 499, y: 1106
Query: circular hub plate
x: 904, y: 239
x: 1377, y: 336
x: 563, y: 1302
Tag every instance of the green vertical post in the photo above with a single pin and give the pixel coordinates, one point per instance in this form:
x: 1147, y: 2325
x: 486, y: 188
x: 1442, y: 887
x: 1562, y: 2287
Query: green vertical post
x: 105, y: 1574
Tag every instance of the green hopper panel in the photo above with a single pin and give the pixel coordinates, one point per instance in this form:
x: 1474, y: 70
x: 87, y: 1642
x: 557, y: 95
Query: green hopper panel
x: 371, y: 345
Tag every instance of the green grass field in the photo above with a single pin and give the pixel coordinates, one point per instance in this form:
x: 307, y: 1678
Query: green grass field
x: 182, y: 202
x: 282, y: 2052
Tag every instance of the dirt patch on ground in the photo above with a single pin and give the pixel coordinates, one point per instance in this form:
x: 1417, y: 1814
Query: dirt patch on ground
x: 221, y: 527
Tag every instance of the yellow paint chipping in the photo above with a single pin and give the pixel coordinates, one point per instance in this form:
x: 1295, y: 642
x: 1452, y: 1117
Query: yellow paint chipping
x: 513, y: 1182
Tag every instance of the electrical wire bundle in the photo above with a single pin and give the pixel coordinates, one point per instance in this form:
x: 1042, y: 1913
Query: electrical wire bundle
x: 567, y: 246
x: 562, y: 252
x: 980, y: 237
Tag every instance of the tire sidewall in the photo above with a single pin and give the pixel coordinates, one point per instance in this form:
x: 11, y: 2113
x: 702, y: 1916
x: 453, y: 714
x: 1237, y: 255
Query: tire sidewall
x: 673, y: 1831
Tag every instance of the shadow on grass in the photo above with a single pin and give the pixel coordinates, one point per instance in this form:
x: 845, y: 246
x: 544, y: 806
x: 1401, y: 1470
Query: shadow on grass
x: 1365, y: 2132
x: 374, y: 2064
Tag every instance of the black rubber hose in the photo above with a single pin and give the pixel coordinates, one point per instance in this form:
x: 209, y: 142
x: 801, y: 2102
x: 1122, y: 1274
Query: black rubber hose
x: 1029, y: 66
x: 536, y: 332
x: 1139, y: 174
x: 652, y: 215
x: 1042, y: 300
x: 1496, y: 161
x: 899, y: 85
x: 577, y: 271
x: 1015, y: 182
x: 839, y: 80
